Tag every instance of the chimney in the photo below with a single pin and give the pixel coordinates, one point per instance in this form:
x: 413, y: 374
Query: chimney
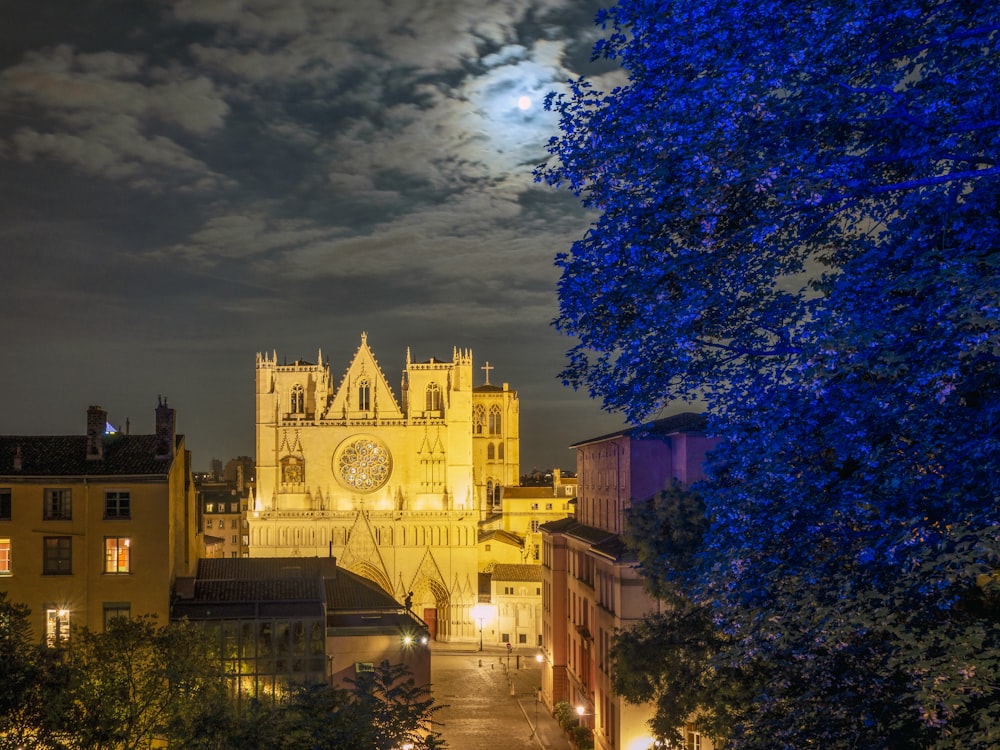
x: 165, y: 430
x: 97, y: 419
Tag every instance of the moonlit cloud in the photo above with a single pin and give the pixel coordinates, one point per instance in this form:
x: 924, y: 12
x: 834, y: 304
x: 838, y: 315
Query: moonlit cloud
x: 210, y: 178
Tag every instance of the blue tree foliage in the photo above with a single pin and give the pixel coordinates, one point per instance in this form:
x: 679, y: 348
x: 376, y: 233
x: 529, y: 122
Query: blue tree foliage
x: 799, y: 222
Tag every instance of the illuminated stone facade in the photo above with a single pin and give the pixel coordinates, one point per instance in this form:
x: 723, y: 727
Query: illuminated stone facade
x: 393, y: 487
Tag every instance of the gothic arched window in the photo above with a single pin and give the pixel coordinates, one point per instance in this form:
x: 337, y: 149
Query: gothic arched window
x: 298, y: 400
x: 491, y: 452
x: 478, y: 419
x: 364, y: 396
x: 500, y: 451
x: 495, y: 420
x: 489, y: 490
x: 433, y: 397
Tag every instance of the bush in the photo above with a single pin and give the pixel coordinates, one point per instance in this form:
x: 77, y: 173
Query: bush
x: 565, y: 714
x: 583, y: 737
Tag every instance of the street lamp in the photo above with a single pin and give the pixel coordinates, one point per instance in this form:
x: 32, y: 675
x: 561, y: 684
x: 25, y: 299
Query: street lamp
x: 481, y: 612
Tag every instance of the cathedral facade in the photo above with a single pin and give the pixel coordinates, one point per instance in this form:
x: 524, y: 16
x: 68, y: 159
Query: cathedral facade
x: 392, y: 486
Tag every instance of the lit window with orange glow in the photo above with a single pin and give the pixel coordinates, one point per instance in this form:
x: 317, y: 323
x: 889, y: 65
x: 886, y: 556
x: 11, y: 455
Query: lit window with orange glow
x: 116, y: 554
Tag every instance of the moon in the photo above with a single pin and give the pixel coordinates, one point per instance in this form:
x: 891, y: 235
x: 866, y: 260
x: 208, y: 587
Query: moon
x: 524, y: 103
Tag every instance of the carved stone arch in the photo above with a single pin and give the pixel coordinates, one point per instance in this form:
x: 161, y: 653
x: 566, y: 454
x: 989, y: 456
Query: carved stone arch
x: 373, y: 574
x: 429, y: 587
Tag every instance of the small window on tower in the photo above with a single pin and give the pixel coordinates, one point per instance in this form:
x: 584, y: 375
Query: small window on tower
x: 433, y: 400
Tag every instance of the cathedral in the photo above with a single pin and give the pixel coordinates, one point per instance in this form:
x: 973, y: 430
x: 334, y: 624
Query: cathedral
x: 393, y: 486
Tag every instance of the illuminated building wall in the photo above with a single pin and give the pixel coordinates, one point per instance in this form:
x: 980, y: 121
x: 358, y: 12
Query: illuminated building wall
x: 97, y: 525
x: 393, y: 486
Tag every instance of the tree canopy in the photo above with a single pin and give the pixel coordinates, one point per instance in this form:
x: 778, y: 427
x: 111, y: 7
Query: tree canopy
x: 138, y: 685
x: 798, y: 215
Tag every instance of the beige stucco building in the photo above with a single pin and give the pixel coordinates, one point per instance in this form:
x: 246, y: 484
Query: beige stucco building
x: 95, y: 525
x: 394, y: 485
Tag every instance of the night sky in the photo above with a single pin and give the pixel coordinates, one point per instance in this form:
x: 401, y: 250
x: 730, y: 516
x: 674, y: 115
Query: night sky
x: 185, y: 184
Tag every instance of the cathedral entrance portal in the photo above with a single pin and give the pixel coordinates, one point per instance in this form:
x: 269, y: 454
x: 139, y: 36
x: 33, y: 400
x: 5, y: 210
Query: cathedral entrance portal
x: 430, y: 617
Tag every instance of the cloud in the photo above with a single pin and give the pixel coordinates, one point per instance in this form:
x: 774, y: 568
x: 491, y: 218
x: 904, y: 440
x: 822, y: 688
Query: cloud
x: 105, y: 115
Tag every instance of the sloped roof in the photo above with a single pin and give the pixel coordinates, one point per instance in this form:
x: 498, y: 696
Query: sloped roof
x: 517, y: 572
x: 66, y: 456
x: 255, y: 568
x: 349, y: 591
x: 678, y: 423
x: 560, y: 526
x: 529, y: 492
x: 499, y: 535
x: 266, y: 590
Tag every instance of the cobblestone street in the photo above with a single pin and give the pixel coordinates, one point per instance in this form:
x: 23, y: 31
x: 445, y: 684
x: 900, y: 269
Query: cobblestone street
x: 481, y: 713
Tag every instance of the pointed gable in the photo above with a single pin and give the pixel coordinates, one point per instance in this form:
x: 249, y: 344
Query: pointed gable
x: 364, y: 392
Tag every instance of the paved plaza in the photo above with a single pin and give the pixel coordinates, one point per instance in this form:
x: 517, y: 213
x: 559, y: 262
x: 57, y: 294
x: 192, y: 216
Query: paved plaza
x: 480, y: 712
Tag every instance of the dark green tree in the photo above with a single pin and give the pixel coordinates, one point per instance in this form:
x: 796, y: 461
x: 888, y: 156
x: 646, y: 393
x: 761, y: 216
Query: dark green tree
x: 138, y: 682
x: 399, y: 711
x: 31, y: 678
x: 668, y: 657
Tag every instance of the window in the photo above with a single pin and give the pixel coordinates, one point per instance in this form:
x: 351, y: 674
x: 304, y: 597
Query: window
x: 535, y: 525
x: 538, y: 589
x: 5, y: 505
x: 508, y: 590
x: 522, y: 637
x: 58, y: 505
x: 364, y: 396
x: 433, y: 400
x: 234, y: 507
x: 534, y: 506
x: 298, y: 400
x: 116, y: 609
x: 210, y: 507
x: 494, y: 425
x: 505, y: 638
x: 234, y: 539
x: 208, y: 523
x: 500, y: 451
x: 57, y: 555
x: 548, y: 506
x: 535, y: 553
x: 234, y: 524
x: 692, y: 740
x: 116, y: 554
x: 56, y: 627
x: 478, y: 419
x: 117, y: 504
x: 491, y: 452
x: 5, y: 569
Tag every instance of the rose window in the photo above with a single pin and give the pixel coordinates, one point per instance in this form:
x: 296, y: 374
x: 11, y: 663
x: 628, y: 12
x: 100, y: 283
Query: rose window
x: 363, y: 464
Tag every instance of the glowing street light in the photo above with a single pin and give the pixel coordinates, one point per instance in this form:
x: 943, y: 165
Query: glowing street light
x: 482, y: 612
